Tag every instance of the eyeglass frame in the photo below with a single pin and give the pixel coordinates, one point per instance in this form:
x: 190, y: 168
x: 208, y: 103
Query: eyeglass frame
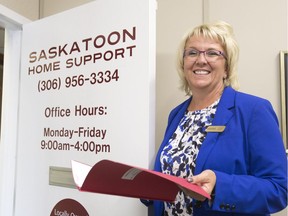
x: 220, y: 53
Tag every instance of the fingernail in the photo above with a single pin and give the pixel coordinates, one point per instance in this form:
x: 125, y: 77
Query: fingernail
x: 190, y: 179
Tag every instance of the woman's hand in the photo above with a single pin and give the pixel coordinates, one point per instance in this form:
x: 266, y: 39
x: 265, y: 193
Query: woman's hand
x: 206, y: 180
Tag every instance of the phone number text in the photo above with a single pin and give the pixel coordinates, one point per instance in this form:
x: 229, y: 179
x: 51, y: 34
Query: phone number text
x: 96, y: 78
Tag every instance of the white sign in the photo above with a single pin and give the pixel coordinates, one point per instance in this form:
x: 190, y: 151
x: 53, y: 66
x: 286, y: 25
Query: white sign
x: 86, y: 93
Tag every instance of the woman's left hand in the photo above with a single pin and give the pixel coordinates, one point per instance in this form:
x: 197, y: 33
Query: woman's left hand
x: 206, y: 180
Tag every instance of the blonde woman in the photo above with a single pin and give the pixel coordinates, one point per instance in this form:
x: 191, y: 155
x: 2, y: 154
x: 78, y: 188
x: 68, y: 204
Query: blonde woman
x: 226, y: 141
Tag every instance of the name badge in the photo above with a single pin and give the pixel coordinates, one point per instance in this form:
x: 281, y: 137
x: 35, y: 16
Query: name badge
x: 215, y: 128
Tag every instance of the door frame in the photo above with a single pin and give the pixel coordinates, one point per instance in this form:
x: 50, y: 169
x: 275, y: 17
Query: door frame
x: 12, y: 22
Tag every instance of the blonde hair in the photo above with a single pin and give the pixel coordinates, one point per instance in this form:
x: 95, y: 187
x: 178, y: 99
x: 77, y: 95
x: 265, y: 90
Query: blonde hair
x: 223, y: 33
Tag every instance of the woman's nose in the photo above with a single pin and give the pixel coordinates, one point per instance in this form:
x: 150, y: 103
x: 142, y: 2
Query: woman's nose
x: 201, y: 58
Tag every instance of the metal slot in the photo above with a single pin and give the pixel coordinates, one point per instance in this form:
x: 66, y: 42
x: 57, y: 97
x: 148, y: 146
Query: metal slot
x: 61, y: 176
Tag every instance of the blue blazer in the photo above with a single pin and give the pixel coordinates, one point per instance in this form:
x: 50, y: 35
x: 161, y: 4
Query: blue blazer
x: 248, y: 157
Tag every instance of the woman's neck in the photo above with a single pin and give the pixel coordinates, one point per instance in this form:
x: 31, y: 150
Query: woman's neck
x: 202, y: 99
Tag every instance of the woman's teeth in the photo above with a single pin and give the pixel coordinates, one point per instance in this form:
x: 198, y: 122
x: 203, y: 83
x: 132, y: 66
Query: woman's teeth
x: 200, y: 72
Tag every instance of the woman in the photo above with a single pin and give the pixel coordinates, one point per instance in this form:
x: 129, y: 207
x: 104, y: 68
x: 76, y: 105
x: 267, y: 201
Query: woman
x: 225, y: 141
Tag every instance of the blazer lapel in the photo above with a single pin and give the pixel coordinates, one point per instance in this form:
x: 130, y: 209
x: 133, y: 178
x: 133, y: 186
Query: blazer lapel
x: 223, y: 115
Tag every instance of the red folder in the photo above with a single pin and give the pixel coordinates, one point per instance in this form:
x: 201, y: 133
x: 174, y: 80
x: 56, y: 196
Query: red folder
x: 109, y: 177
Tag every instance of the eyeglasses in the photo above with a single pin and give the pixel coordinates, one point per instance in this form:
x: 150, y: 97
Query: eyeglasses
x: 210, y: 55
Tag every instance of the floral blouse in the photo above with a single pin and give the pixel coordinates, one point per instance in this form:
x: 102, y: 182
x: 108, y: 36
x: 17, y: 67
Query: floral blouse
x: 178, y: 158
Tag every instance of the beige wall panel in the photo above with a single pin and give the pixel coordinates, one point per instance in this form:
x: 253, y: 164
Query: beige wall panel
x: 174, y: 18
x: 50, y: 7
x: 261, y: 30
x: 26, y: 8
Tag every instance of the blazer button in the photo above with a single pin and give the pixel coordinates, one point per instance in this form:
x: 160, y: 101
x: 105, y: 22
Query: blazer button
x: 233, y: 207
x: 222, y: 206
x: 227, y: 206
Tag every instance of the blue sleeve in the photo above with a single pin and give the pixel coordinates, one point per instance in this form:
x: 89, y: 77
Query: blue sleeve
x: 263, y: 188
